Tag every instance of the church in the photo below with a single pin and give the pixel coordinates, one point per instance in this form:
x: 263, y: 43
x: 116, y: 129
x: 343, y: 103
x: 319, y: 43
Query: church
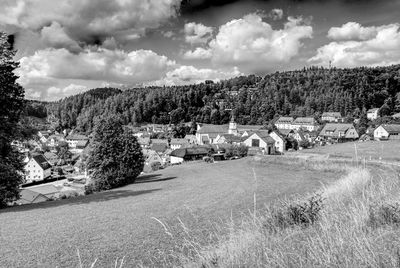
x: 210, y: 134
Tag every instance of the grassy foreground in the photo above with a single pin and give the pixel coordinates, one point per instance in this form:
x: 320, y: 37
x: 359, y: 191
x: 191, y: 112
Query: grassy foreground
x: 353, y: 222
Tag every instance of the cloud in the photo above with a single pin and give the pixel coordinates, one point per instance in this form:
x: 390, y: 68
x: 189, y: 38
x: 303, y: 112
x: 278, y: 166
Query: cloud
x: 198, y: 54
x: 369, y: 46
x: 89, y: 21
x: 48, y: 67
x: 55, y: 36
x: 352, y: 31
x: 276, y: 14
x: 254, y: 46
x: 197, y: 33
x: 56, y: 93
x: 184, y: 75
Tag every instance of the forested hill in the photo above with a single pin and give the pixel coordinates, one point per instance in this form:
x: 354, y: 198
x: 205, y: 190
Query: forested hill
x: 253, y: 100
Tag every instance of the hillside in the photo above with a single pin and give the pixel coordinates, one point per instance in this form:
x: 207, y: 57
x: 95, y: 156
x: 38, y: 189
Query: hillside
x: 254, y: 100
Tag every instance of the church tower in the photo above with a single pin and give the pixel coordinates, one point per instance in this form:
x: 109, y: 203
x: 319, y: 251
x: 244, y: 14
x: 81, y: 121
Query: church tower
x: 233, y: 126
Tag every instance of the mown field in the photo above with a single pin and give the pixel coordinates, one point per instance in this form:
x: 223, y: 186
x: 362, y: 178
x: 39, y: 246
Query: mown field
x: 145, y: 223
x: 370, y: 150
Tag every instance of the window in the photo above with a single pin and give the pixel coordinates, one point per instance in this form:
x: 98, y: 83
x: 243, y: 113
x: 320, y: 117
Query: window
x: 255, y: 143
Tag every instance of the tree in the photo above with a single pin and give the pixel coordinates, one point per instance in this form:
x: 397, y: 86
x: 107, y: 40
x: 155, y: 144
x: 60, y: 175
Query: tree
x: 63, y: 152
x: 115, y: 157
x: 11, y: 106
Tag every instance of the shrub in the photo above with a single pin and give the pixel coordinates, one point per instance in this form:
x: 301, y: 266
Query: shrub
x: 384, y: 214
x: 303, y: 213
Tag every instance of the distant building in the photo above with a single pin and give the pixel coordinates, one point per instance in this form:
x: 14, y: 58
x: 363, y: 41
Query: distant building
x: 339, y: 132
x: 387, y: 132
x: 396, y: 116
x: 144, y: 142
x: 261, y: 140
x: 54, y: 140
x: 30, y: 197
x: 284, y: 122
x: 308, y: 123
x: 37, y: 169
x: 186, y: 154
x: 373, y: 114
x: 191, y: 139
x: 178, y: 143
x: 52, y: 158
x: 280, y: 142
x: 331, y: 117
x: 206, y: 134
x: 48, y: 190
x: 77, y: 141
x: 228, y: 139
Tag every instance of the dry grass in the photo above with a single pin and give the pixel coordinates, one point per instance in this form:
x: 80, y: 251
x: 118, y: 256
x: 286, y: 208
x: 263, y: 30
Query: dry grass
x: 356, y: 225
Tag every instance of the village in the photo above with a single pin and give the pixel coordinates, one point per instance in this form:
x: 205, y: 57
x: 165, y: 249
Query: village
x: 55, y: 162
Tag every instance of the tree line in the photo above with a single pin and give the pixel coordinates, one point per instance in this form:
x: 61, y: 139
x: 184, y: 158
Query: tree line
x: 252, y: 99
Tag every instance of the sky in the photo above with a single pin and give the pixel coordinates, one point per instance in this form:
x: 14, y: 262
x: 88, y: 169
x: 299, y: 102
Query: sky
x: 66, y: 47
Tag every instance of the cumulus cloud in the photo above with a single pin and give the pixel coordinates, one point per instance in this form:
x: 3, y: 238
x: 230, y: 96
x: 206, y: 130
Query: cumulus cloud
x: 56, y: 93
x: 366, y: 46
x: 253, y: 45
x: 191, y: 75
x: 197, y: 33
x: 89, y: 21
x: 198, y: 54
x: 46, y: 68
x: 352, y: 31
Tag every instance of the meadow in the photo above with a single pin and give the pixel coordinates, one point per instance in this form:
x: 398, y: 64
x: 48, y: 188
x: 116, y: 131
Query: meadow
x: 166, y: 218
x: 370, y: 150
x: 353, y: 222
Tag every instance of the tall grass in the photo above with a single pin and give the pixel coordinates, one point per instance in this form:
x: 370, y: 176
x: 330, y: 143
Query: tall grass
x: 351, y: 223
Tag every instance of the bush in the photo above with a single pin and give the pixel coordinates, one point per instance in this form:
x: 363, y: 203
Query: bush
x: 384, y: 214
x: 302, y: 213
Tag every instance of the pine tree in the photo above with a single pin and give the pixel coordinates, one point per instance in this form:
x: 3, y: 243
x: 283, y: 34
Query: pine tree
x: 11, y: 105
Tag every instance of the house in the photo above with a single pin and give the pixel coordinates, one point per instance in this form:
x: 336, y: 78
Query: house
x: 178, y: 143
x: 52, y: 158
x: 284, y: 122
x: 286, y: 132
x: 37, y: 169
x: 387, y: 132
x: 187, y: 154
x: 373, y: 113
x: 331, y: 117
x: 308, y: 123
x: 54, y: 139
x: 228, y: 139
x: 396, y: 116
x: 153, y: 158
x: 159, y: 147
x: 206, y: 134
x: 262, y: 140
x: 299, y: 136
x: 27, y: 196
x: 77, y: 141
x: 43, y: 135
x: 280, y: 142
x: 191, y: 139
x: 144, y: 142
x: 339, y: 132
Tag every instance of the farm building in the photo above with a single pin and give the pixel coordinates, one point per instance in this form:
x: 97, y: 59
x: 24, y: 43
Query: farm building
x: 191, y: 139
x: 187, y: 154
x: 228, y: 138
x: 331, y: 117
x: 387, y: 132
x: 262, y: 140
x: 284, y: 122
x: 37, y: 169
x: 48, y: 190
x: 373, y: 113
x: 339, y: 132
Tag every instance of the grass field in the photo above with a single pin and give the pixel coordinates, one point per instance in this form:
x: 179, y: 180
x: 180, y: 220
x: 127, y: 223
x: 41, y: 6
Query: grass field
x: 125, y: 222
x: 370, y: 150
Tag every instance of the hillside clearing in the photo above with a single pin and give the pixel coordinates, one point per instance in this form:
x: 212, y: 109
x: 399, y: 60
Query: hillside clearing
x: 121, y: 222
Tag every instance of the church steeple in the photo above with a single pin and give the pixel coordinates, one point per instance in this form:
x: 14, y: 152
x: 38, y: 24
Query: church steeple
x: 233, y: 126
